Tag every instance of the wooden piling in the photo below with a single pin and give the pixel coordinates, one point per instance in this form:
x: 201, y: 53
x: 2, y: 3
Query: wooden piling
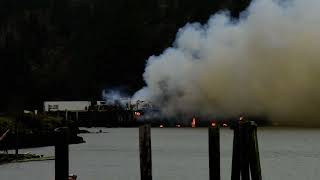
x: 66, y: 115
x: 244, y: 150
x: 77, y: 116
x: 254, y: 158
x: 145, y: 152
x: 62, y: 153
x: 214, y: 153
x: 17, y: 122
x: 235, y: 169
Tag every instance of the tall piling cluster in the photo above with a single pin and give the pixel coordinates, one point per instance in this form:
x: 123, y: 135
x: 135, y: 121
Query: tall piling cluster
x: 245, y: 157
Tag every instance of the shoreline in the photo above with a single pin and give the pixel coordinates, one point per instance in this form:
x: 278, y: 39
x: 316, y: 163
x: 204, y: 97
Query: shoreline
x: 19, y: 158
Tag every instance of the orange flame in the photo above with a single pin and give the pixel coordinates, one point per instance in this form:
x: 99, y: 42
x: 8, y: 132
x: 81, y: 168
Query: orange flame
x: 193, y: 124
x: 137, y: 113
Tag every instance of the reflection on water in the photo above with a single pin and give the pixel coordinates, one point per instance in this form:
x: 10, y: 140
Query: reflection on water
x: 177, y: 154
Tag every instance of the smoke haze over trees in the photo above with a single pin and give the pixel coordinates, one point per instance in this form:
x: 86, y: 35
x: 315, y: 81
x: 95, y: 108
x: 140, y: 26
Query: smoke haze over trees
x: 73, y: 49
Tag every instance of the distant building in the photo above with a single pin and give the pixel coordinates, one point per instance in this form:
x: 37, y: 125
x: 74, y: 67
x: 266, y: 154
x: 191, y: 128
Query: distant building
x: 75, y: 106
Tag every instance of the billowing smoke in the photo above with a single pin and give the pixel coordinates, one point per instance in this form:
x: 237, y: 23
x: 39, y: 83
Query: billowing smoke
x: 115, y: 97
x: 267, y: 62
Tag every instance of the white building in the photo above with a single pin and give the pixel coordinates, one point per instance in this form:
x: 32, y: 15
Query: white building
x: 75, y: 106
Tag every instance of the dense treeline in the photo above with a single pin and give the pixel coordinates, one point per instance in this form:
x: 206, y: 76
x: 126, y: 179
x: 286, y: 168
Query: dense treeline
x: 72, y: 49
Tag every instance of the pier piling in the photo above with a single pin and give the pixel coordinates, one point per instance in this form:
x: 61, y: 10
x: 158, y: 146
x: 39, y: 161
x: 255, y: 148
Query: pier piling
x: 254, y: 157
x: 145, y: 152
x: 62, y: 153
x: 214, y: 153
x: 235, y: 169
x: 244, y: 151
x: 245, y: 157
x: 16, y: 127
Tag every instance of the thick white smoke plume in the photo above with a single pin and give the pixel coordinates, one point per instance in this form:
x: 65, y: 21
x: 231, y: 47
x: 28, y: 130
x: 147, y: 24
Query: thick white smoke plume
x: 267, y: 62
x: 115, y: 97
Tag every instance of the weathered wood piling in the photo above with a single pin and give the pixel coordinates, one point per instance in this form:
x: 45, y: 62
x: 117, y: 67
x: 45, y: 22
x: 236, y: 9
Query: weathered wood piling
x: 16, y: 127
x: 235, y: 169
x: 62, y: 153
x: 254, y: 159
x: 214, y: 153
x: 245, y: 157
x: 16, y: 148
x: 145, y: 152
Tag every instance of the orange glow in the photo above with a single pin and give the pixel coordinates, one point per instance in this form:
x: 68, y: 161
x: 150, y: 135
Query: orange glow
x: 193, y: 124
x: 161, y: 126
x: 72, y: 177
x: 137, y: 113
x: 213, y: 124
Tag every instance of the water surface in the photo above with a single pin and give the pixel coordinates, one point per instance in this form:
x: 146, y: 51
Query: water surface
x: 178, y: 154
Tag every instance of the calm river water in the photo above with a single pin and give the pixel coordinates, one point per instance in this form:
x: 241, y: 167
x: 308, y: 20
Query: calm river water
x: 178, y: 154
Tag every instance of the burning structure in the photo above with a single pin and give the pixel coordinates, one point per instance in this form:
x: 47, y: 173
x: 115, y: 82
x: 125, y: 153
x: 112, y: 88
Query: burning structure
x: 123, y: 112
x: 93, y: 113
x: 264, y: 63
